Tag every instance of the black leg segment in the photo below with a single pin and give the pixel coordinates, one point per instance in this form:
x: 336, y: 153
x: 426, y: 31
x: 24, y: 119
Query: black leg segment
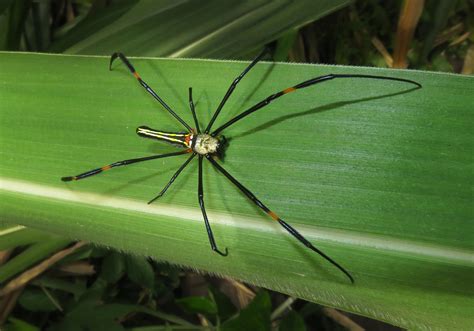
x: 119, y: 164
x: 193, y: 111
x: 203, y: 209
x: 173, y: 178
x: 234, y: 84
x: 146, y: 87
x: 304, y: 84
x: 285, y: 225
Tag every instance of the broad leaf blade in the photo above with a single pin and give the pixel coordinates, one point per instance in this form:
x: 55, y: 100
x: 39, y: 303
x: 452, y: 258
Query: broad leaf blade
x: 211, y: 28
x: 374, y: 173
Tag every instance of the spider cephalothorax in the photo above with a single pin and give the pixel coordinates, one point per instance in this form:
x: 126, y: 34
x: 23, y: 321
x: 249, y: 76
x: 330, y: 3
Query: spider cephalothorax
x: 207, y: 144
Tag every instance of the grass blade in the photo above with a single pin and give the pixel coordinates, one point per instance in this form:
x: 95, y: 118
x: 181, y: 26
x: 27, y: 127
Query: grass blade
x: 183, y: 28
x: 375, y: 174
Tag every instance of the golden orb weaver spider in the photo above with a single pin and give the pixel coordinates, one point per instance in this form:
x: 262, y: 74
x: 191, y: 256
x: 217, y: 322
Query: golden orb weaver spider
x: 207, y: 144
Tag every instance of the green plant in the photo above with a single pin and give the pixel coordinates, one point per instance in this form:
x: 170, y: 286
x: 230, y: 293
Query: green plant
x: 375, y: 174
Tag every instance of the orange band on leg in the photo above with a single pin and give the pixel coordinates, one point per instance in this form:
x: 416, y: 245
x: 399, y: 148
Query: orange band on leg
x: 273, y: 215
x: 137, y: 76
x: 107, y: 167
x: 288, y: 90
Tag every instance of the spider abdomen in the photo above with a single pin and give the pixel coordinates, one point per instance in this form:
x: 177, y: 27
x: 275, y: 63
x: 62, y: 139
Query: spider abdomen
x: 175, y: 138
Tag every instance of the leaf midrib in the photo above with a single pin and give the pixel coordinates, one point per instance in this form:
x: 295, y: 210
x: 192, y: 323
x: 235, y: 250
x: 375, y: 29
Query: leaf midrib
x: 346, y: 237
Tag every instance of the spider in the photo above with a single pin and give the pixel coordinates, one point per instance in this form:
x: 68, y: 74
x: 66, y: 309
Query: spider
x: 210, y: 144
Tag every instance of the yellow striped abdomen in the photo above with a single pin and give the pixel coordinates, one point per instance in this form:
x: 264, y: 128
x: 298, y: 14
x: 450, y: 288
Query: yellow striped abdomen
x: 175, y: 138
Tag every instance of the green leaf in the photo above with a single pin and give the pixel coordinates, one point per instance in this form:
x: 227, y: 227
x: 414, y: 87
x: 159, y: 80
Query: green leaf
x: 256, y: 316
x: 16, y: 236
x: 37, y: 27
x: 92, y: 24
x: 284, y: 45
x: 140, y: 271
x: 76, y: 287
x: 113, y: 267
x: 375, y: 174
x: 184, y: 28
x: 15, y: 324
x: 12, y: 23
x: 93, y: 295
x: 440, y: 12
x: 292, y: 322
x: 31, y: 256
x: 93, y: 316
x: 82, y: 253
x: 224, y: 306
x: 35, y: 300
x: 198, y: 305
x: 4, y: 5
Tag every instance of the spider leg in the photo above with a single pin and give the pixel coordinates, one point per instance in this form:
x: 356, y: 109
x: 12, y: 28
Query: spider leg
x: 274, y: 216
x: 176, y: 174
x: 234, y: 84
x: 301, y: 85
x: 121, y: 163
x: 146, y: 87
x: 203, y: 209
x: 193, y: 111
